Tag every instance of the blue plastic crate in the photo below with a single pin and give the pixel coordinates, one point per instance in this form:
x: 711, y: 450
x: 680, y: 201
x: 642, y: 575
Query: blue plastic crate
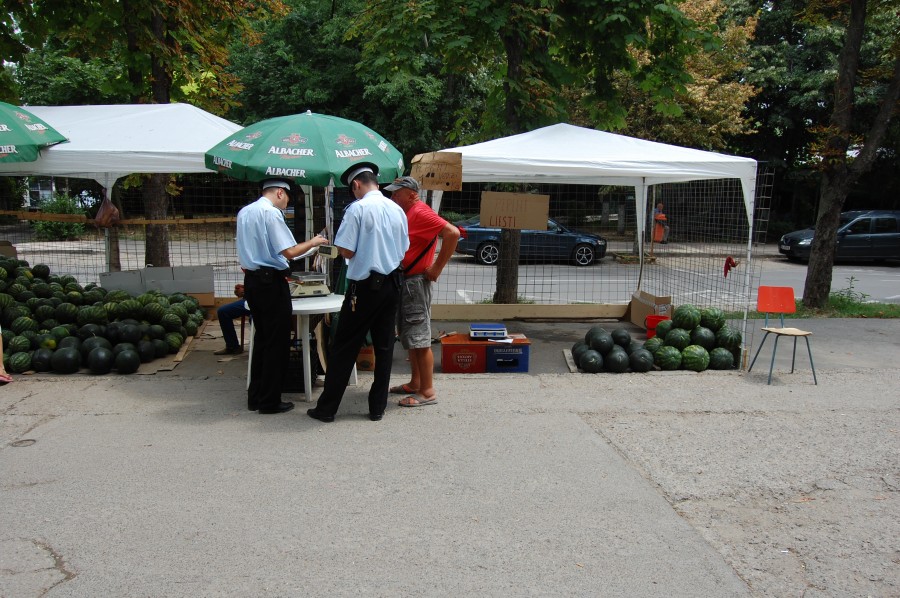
x: 502, y: 357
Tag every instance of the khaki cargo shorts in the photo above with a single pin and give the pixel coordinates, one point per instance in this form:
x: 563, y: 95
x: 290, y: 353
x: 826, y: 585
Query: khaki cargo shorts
x: 414, y: 318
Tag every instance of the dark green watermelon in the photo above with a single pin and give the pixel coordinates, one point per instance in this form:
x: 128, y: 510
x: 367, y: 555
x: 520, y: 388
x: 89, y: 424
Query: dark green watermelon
x: 146, y: 351
x: 729, y: 337
x: 633, y: 346
x: 616, y: 360
x: 653, y: 344
x: 721, y: 358
x: 69, y: 341
x: 704, y: 337
x: 127, y: 362
x: 88, y: 330
x: 667, y: 358
x: 91, y: 343
x: 20, y: 362
x: 663, y: 327
x: 686, y: 316
x: 591, y: 362
x: 621, y: 337
x: 694, y: 358
x: 100, y: 360
x: 678, y: 338
x: 18, y: 344
x: 160, y: 347
x: 119, y: 347
x: 712, y: 318
x: 40, y: 360
x: 641, y: 361
x: 66, y: 360
x: 578, y: 349
x: 130, y: 333
x: 601, y: 341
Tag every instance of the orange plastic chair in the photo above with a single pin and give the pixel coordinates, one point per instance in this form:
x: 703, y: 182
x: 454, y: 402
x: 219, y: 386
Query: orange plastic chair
x: 780, y: 300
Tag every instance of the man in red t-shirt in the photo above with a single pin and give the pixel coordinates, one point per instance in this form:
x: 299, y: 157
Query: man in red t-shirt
x: 420, y: 269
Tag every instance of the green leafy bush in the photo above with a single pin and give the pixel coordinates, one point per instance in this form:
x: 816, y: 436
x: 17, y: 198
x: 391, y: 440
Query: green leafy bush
x: 59, y: 231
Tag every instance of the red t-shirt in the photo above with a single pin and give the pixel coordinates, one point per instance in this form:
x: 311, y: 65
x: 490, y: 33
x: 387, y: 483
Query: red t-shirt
x: 423, y: 226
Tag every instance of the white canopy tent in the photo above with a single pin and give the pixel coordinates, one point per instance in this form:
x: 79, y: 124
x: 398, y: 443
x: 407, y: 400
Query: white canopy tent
x: 107, y: 143
x: 566, y: 154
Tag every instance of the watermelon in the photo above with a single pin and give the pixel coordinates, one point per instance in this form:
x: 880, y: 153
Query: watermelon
x: 621, y: 337
x: 130, y: 308
x: 153, y: 312
x: 601, y: 341
x: 653, y: 344
x: 66, y: 360
x: 641, y: 361
x: 100, y: 360
x: 155, y: 331
x: 40, y: 360
x: 20, y: 362
x: 174, y: 340
x: 591, y: 362
x: 6, y: 300
x: 694, y: 358
x: 123, y: 347
x: 117, y: 296
x: 91, y: 343
x: 633, y: 346
x: 127, y: 362
x: 172, y: 323
x: 729, y: 337
x: 130, y: 333
x: 678, y: 338
x: 41, y: 271
x: 60, y: 332
x: 686, y: 316
x: 594, y: 330
x: 190, y: 328
x: 712, y: 318
x: 47, y: 341
x: 667, y: 358
x: 160, y: 347
x: 721, y: 358
x: 23, y: 323
x: 704, y: 337
x: 18, y: 344
x: 66, y: 312
x: 146, y: 351
x: 616, y: 360
x: 578, y: 349
x: 88, y: 330
x: 68, y: 341
x: 663, y: 328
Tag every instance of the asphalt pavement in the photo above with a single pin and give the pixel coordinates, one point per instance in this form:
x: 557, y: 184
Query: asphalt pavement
x: 546, y: 483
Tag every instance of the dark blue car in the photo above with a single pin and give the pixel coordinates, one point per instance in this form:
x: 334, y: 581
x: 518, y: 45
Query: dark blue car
x: 555, y: 243
x: 869, y: 235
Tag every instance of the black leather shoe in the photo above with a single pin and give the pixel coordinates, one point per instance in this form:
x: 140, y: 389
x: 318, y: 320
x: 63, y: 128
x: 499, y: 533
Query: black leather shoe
x: 281, y: 408
x: 252, y: 406
x: 376, y: 417
x: 325, y: 419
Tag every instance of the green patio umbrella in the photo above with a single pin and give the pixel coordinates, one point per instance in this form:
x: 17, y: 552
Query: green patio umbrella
x: 23, y: 135
x: 309, y: 149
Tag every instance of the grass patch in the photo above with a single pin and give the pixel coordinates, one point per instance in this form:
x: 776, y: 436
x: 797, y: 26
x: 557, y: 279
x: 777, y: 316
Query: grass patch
x: 845, y: 303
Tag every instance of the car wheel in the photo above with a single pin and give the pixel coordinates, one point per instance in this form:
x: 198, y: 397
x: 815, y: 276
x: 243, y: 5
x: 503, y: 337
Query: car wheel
x: 488, y: 253
x: 583, y: 255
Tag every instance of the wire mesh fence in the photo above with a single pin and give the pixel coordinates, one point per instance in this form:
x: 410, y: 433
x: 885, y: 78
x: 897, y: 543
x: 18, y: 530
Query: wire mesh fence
x: 707, y: 224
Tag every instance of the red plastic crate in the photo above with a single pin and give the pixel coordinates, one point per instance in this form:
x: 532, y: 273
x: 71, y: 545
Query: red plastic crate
x: 462, y: 355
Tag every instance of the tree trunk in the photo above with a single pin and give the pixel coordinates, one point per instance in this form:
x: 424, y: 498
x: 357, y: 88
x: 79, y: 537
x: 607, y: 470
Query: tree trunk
x: 821, y: 256
x: 156, y: 204
x: 114, y: 260
x: 508, y: 267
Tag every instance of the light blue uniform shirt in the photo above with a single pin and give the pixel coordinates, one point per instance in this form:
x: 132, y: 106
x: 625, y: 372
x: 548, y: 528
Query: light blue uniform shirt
x: 262, y: 235
x: 374, y: 228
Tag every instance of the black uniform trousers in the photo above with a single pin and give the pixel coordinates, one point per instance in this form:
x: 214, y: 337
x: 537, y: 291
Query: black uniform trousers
x: 269, y: 299
x: 376, y: 311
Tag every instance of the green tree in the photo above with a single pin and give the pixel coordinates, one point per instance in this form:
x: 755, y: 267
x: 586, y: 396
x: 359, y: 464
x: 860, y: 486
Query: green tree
x: 167, y: 49
x: 531, y: 50
x: 849, y: 143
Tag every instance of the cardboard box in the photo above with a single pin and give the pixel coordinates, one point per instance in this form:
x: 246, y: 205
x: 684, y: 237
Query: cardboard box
x: 504, y: 357
x: 645, y: 304
x: 365, y: 361
x: 438, y: 171
x: 7, y: 249
x: 463, y: 355
x: 514, y: 210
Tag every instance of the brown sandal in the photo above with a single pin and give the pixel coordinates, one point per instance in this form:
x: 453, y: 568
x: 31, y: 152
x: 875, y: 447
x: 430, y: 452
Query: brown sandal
x: 414, y: 401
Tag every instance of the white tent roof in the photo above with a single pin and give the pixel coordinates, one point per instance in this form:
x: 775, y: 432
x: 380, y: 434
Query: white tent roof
x: 110, y: 142
x: 564, y: 153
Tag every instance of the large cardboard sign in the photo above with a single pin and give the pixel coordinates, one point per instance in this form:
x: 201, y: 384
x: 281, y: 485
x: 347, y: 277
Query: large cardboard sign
x: 514, y: 210
x: 438, y: 171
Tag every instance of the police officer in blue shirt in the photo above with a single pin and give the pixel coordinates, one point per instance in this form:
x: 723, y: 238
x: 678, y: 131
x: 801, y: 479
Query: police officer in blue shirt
x: 373, y: 238
x: 264, y: 246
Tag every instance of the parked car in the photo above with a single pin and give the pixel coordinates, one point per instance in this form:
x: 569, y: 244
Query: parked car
x: 555, y: 243
x: 869, y: 235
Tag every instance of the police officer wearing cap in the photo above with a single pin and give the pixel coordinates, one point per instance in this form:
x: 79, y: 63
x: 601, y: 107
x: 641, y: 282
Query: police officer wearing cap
x: 373, y: 239
x: 264, y: 246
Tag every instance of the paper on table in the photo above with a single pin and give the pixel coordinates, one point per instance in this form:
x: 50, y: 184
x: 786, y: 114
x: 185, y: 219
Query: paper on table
x: 501, y: 340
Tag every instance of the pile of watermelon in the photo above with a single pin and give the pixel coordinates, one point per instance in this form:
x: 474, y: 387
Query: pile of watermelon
x: 695, y: 339
x: 53, y: 324
x: 611, y: 351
